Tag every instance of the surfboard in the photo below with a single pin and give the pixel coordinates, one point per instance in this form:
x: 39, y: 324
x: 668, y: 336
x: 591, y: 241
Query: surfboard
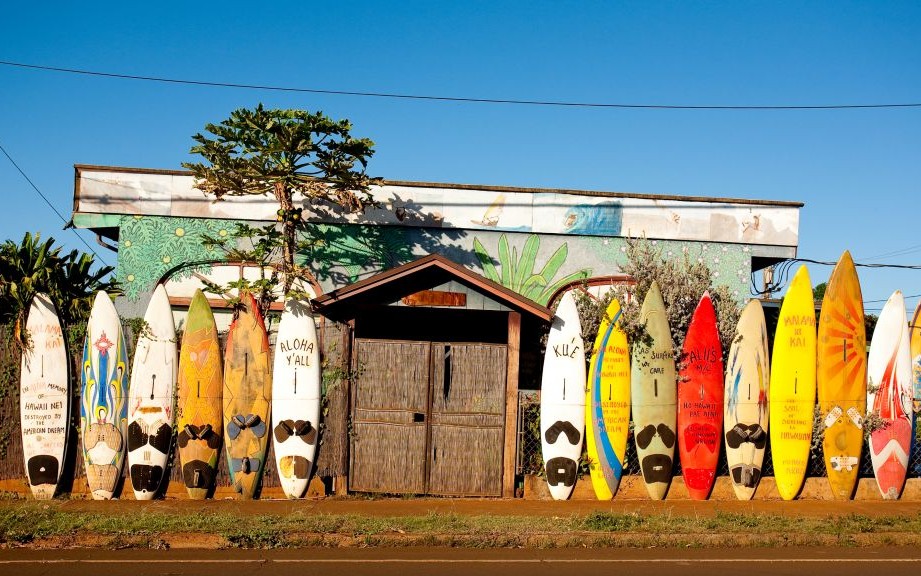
x: 607, y: 404
x: 296, y: 397
x: 104, y: 398
x: 247, y: 398
x: 44, y: 398
x: 841, y: 377
x: 562, y: 400
x: 700, y: 401
x: 889, y: 394
x: 745, y: 405
x: 792, y: 392
x: 654, y: 392
x: 199, y: 404
x: 150, y: 398
x: 915, y: 345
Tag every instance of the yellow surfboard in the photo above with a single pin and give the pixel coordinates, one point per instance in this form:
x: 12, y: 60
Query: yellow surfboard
x: 607, y: 404
x: 841, y: 374
x: 915, y: 328
x: 793, y: 389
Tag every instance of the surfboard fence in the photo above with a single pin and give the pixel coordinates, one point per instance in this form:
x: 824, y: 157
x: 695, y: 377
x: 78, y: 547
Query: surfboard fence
x: 530, y: 461
x: 449, y: 419
x: 332, y: 457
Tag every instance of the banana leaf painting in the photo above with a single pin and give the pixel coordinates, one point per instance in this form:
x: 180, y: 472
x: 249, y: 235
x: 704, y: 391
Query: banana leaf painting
x: 518, y: 272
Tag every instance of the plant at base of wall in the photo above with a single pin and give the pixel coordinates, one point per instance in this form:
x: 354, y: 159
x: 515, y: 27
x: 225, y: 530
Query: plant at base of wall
x: 682, y: 282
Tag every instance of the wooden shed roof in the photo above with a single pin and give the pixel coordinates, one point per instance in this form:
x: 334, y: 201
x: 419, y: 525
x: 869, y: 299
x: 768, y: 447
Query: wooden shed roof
x: 422, y: 274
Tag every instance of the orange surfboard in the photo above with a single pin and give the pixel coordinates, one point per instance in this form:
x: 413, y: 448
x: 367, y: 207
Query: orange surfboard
x: 841, y: 375
x: 247, y: 398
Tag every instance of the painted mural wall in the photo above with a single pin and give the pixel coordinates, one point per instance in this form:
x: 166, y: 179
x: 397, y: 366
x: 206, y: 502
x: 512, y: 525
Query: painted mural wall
x: 534, y: 265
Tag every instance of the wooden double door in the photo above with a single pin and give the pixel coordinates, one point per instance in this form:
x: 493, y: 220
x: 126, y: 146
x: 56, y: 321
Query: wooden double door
x: 428, y: 418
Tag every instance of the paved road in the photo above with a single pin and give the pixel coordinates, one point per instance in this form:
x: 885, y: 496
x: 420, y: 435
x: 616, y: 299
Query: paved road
x: 451, y: 562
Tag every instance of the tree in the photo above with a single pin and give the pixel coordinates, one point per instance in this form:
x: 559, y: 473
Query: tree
x: 33, y: 266
x: 818, y: 293
x: 284, y: 153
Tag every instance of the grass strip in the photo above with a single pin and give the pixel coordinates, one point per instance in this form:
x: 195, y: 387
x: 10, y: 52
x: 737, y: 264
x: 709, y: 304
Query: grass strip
x: 24, y: 523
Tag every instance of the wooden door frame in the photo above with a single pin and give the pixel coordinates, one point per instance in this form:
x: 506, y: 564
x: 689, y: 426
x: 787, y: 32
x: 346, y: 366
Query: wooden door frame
x: 511, y: 405
x: 510, y: 445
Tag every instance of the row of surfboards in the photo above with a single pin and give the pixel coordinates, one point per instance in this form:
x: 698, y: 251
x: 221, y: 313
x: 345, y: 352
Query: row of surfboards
x: 701, y: 405
x: 235, y: 402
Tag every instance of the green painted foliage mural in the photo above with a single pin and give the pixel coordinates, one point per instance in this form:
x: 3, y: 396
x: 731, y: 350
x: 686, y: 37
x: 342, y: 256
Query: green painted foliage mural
x: 337, y: 255
x: 518, y: 272
x: 151, y: 246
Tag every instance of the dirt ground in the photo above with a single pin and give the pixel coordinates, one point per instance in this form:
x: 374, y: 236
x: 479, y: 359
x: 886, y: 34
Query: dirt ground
x: 274, y: 523
x: 517, y: 507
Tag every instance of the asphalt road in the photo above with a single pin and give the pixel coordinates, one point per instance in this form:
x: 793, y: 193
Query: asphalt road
x: 892, y: 561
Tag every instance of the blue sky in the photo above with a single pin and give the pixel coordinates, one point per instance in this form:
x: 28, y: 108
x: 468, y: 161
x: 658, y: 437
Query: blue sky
x: 858, y: 171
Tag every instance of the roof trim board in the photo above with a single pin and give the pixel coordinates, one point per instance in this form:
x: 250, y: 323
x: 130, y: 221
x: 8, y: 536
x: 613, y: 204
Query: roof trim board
x: 422, y: 274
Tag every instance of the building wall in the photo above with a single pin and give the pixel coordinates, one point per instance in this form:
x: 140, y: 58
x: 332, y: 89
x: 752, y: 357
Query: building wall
x: 534, y: 265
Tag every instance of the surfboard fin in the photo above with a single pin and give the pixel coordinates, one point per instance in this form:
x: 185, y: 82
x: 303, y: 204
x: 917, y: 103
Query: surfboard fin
x: 833, y: 416
x: 855, y: 417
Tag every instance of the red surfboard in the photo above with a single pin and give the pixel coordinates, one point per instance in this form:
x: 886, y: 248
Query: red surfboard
x: 700, y: 401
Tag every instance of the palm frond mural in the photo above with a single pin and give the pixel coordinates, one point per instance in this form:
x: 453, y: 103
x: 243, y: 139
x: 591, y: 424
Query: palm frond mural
x: 517, y: 272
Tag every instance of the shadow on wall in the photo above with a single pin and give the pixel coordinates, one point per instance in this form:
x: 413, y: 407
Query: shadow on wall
x: 342, y: 254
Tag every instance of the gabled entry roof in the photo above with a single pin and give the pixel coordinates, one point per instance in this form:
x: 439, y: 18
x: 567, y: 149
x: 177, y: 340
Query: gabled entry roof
x: 422, y: 274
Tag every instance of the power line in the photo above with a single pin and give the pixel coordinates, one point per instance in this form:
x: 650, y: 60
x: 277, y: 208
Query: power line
x: 887, y: 299
x: 782, y: 273
x: 899, y: 252
x: 859, y: 265
x: 48, y: 202
x: 403, y: 96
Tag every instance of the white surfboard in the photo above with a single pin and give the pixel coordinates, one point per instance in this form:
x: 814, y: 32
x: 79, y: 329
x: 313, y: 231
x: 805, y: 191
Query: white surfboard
x: 151, y: 398
x: 562, y: 400
x: 745, y: 401
x: 104, y: 398
x: 889, y: 395
x: 44, y: 398
x: 296, y: 397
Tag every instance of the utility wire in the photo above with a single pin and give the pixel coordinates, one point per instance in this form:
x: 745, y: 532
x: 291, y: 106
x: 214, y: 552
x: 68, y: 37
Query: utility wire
x: 898, y: 266
x: 782, y: 273
x: 899, y: 252
x: 403, y: 96
x: 886, y: 299
x: 48, y: 202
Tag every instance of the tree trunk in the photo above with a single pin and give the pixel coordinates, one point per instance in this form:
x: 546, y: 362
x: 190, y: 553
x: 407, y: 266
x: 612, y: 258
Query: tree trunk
x: 289, y: 233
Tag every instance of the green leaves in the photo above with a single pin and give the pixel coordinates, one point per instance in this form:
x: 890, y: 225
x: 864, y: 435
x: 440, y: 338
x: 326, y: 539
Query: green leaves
x: 284, y: 152
x: 486, y: 262
x: 309, y: 153
x: 517, y: 272
x: 32, y: 266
